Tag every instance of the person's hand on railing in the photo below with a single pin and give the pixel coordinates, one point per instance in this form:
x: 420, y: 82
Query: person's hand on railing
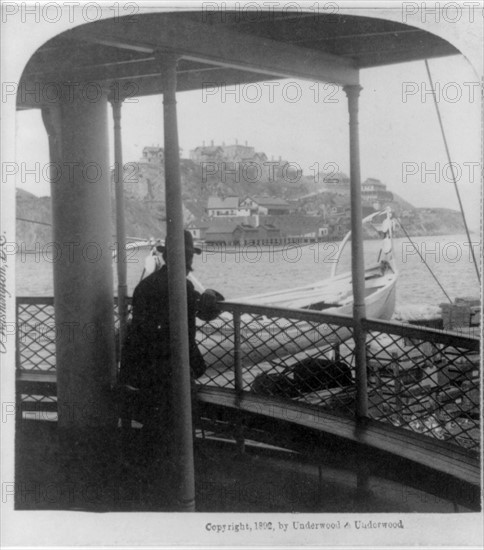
x: 208, y: 307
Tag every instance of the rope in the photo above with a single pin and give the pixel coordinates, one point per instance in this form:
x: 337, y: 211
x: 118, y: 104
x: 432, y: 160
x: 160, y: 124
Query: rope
x: 424, y: 261
x: 452, y: 169
x: 34, y: 221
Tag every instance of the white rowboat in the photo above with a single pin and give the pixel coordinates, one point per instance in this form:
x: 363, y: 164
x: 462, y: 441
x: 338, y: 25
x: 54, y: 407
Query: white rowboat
x: 264, y: 337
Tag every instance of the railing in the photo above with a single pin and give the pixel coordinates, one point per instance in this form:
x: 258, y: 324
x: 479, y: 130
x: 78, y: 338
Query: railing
x: 278, y: 352
x: 425, y: 380
x: 419, y: 379
x: 35, y: 334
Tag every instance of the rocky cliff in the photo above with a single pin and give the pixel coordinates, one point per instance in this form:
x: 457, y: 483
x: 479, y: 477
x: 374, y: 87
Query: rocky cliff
x: 145, y: 203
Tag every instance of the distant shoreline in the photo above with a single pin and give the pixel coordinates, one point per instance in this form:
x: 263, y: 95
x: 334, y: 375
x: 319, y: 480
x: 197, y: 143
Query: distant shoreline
x: 232, y: 249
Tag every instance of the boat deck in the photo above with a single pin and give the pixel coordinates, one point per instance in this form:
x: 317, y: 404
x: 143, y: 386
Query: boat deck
x: 262, y: 480
x: 422, y: 389
x: 423, y: 463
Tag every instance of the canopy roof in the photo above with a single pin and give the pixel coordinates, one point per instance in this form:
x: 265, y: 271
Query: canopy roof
x: 227, y: 48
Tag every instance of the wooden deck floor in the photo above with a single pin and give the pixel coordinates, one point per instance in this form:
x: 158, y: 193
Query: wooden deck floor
x: 48, y: 477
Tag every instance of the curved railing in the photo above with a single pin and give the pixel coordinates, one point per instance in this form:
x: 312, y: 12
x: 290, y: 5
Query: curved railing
x: 422, y: 384
x: 420, y: 379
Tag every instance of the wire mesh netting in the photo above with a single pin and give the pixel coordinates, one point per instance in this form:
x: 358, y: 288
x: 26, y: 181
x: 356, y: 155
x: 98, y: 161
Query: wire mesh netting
x: 281, y: 356
x: 429, y: 387
x: 36, y: 350
x: 116, y: 311
x: 36, y: 333
x: 428, y: 382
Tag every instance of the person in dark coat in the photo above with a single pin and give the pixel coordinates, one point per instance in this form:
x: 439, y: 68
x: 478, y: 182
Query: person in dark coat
x: 146, y: 358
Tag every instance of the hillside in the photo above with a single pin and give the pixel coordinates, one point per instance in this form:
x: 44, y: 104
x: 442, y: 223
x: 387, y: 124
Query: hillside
x: 312, y: 199
x: 436, y: 221
x: 35, y: 208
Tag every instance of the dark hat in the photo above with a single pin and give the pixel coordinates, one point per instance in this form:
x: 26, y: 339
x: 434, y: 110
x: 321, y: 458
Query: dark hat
x: 189, y: 247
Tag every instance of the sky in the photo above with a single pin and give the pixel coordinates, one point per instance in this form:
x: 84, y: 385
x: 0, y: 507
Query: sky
x: 306, y: 123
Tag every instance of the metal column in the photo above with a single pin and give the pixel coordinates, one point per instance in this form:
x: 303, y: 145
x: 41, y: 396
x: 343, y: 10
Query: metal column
x: 182, y: 417
x: 121, y: 265
x: 83, y: 285
x: 357, y: 255
x: 358, y: 279
x: 238, y: 382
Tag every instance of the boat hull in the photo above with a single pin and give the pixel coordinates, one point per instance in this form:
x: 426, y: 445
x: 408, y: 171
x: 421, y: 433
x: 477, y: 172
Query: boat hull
x: 263, y: 338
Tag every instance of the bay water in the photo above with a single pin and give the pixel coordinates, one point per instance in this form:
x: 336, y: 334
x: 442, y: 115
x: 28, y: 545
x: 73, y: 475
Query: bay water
x: 252, y: 270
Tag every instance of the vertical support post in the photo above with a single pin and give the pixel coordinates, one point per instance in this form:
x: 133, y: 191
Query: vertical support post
x: 238, y: 381
x: 83, y: 282
x: 357, y: 255
x: 336, y: 353
x: 397, y: 386
x: 376, y: 369
x: 121, y: 265
x: 358, y: 281
x: 177, y: 286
